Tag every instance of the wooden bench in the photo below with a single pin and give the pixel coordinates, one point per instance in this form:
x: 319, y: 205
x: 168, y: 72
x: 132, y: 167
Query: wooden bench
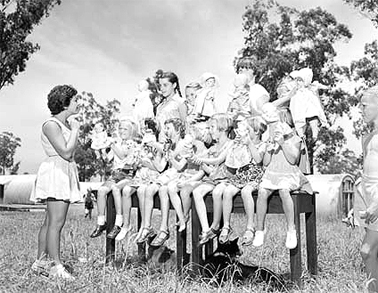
x: 303, y: 203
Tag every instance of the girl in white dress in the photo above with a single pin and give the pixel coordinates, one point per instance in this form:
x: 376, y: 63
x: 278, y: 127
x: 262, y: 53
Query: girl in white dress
x: 57, y: 181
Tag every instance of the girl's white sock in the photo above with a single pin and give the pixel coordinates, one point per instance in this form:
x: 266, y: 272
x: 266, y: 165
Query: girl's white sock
x: 100, y: 220
x: 118, y: 220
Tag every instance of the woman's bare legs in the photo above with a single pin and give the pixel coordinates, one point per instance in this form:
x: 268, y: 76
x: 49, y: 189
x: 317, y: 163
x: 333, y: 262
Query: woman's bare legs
x: 57, y: 213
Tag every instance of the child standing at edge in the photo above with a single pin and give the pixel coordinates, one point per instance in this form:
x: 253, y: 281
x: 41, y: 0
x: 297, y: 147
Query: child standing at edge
x: 57, y: 181
x: 281, y: 173
x: 366, y: 195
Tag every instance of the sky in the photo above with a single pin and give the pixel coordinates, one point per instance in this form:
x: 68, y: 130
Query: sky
x: 106, y: 46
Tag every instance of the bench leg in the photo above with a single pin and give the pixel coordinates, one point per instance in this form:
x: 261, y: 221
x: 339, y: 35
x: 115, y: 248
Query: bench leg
x: 141, y: 247
x: 196, y: 250
x: 311, y: 243
x: 110, y: 220
x: 181, y: 248
x: 295, y: 254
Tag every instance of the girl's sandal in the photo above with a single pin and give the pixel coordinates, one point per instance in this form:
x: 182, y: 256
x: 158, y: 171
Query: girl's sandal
x: 146, y: 233
x: 248, y: 236
x: 224, y: 235
x: 160, y: 239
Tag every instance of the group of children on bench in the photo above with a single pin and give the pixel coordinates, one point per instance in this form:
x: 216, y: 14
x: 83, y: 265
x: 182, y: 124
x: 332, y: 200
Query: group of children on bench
x: 237, y: 160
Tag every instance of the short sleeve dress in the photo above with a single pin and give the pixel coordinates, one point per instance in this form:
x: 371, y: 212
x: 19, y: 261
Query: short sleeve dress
x: 280, y: 174
x: 56, y: 177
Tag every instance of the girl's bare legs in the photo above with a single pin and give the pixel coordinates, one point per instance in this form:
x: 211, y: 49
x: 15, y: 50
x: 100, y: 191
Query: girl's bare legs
x: 288, y: 207
x: 151, y: 190
x: 262, y: 206
x: 229, y: 192
x: 101, y: 202
x: 217, y: 205
x: 141, y: 192
x: 147, y: 230
x: 118, y: 205
x: 57, y: 212
x: 164, y: 207
x: 198, y: 196
x: 249, y: 205
x: 163, y: 234
x: 176, y: 203
x: 186, y: 200
x: 127, y: 192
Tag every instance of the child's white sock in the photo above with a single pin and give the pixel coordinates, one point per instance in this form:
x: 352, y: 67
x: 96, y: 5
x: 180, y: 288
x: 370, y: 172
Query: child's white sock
x: 100, y: 220
x: 118, y: 220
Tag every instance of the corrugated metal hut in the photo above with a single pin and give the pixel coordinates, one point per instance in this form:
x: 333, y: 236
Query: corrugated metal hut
x: 335, y: 193
x: 16, y: 189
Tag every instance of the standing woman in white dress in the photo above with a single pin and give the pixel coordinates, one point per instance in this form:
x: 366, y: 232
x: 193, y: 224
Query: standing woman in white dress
x: 57, y: 181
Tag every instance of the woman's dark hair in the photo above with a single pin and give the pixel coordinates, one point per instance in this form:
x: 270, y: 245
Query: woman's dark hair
x: 178, y: 125
x: 60, y: 97
x: 172, y: 77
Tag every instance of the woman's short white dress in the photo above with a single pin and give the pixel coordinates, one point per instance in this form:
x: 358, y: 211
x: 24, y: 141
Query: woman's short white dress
x: 56, y: 177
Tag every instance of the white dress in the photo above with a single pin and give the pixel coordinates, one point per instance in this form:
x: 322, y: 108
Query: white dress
x: 56, y: 177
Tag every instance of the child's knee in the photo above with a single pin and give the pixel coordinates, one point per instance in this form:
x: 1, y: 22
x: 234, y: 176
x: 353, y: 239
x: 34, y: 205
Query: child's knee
x: 228, y: 194
x: 284, y: 193
x: 263, y: 193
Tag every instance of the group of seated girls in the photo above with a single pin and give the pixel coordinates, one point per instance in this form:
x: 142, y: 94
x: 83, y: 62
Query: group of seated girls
x: 186, y: 167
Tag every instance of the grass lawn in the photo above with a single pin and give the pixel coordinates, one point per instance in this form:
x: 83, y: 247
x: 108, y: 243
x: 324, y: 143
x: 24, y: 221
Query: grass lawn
x: 339, y: 261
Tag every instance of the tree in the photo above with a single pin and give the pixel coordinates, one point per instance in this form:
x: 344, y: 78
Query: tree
x: 368, y: 8
x: 91, y: 112
x: 364, y: 72
x: 8, y: 146
x: 17, y: 20
x: 278, y: 37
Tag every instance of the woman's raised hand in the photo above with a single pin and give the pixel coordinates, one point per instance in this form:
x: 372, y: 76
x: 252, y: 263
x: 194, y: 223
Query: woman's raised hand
x: 74, y: 123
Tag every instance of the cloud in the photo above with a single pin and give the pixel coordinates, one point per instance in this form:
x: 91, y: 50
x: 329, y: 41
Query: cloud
x: 106, y: 47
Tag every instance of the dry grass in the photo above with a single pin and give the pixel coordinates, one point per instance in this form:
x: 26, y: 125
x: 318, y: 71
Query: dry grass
x: 340, y: 268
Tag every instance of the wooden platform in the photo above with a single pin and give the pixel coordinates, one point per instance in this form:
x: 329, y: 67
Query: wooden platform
x: 304, y: 203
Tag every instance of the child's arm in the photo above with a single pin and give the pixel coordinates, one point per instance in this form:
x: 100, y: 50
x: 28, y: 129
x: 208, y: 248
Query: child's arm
x: 196, y: 177
x: 118, y: 151
x: 267, y: 157
x: 206, y: 168
x: 290, y: 149
x: 179, y: 165
x: 213, y: 161
x: 257, y: 154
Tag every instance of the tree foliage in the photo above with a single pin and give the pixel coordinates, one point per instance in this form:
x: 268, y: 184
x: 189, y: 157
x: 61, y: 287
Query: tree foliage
x: 364, y: 72
x: 18, y: 18
x: 277, y: 38
x: 368, y: 8
x: 91, y: 112
x: 8, y: 146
